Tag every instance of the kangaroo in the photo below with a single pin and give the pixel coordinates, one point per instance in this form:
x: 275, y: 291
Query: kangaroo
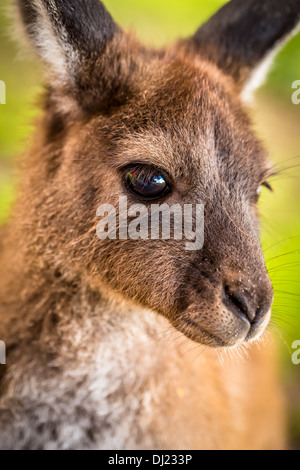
x: 141, y: 344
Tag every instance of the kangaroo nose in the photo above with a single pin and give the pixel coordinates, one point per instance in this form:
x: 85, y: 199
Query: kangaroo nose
x: 240, y: 303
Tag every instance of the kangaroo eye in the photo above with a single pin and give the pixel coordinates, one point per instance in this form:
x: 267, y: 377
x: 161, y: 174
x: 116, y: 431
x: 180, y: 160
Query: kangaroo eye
x: 267, y: 185
x: 147, y: 182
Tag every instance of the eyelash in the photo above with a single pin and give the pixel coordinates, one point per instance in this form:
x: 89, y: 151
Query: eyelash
x: 267, y: 185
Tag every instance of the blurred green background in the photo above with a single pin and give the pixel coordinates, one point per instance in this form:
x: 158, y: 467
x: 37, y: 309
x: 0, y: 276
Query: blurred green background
x: 276, y: 119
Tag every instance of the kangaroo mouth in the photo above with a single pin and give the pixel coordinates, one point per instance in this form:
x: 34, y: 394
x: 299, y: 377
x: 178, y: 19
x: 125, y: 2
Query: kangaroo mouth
x: 258, y: 328
x: 196, y: 333
x: 239, y: 331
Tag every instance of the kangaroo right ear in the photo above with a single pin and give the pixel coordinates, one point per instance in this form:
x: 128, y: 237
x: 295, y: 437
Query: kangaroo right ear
x: 71, y: 37
x: 242, y: 37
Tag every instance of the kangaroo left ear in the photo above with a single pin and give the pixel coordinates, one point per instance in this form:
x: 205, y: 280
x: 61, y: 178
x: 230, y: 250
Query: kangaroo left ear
x: 73, y: 38
x: 243, y: 37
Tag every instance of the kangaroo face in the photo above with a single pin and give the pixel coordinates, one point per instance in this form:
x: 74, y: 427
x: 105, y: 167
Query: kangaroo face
x: 190, y: 127
x: 116, y: 109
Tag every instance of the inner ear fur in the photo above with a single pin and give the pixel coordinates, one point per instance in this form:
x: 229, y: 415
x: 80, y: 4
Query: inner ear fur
x: 80, y: 45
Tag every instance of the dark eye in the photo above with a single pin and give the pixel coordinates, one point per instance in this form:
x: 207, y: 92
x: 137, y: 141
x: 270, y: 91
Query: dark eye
x: 147, y: 182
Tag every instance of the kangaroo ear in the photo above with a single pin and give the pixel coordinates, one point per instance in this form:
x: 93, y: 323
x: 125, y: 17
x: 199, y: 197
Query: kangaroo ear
x: 243, y: 37
x: 71, y: 37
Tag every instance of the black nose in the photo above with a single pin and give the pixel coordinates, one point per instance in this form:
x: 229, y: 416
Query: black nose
x: 240, y: 302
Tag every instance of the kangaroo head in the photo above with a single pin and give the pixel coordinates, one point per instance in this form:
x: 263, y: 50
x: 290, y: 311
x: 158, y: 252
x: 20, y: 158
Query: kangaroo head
x: 165, y: 126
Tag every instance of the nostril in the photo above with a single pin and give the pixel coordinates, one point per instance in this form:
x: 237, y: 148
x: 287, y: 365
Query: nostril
x: 235, y: 299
